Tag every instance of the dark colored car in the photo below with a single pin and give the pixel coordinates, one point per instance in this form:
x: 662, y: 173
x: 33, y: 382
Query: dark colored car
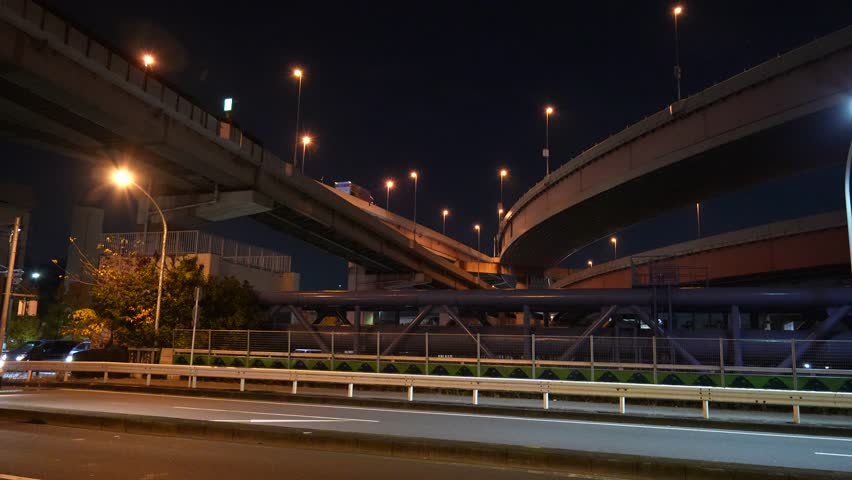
x: 21, y: 353
x: 41, y: 350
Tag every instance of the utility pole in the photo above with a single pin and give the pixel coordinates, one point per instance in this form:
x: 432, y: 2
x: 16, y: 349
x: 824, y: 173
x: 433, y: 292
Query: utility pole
x: 7, y: 293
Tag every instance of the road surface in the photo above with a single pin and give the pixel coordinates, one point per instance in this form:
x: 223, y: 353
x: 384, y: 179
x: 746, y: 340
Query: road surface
x: 57, y: 453
x: 729, y: 446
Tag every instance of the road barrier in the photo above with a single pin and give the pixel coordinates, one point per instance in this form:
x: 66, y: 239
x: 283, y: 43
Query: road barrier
x: 545, y: 388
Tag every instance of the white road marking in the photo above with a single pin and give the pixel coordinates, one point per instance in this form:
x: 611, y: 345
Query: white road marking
x: 313, y: 417
x: 275, y: 420
x: 833, y: 454
x: 496, y: 417
x: 14, y: 477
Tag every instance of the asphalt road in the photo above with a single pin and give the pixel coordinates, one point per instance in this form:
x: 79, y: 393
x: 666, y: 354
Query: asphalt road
x: 57, y: 453
x: 730, y: 446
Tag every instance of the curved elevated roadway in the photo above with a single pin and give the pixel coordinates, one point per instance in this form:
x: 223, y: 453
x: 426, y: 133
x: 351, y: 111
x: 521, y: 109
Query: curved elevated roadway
x: 812, y: 243
x: 785, y: 115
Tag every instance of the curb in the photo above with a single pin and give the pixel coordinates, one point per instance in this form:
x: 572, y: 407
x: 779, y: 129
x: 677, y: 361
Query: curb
x: 662, y: 420
x: 588, y: 464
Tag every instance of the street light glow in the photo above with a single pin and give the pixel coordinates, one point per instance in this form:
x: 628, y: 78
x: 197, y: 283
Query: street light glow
x: 148, y: 60
x: 499, y: 211
x: 504, y: 172
x: 613, y: 240
x: 476, y: 227
x: 122, y: 178
x: 306, y: 140
x: 414, y: 175
x: 297, y: 73
x: 389, y: 184
x: 548, y: 110
x: 229, y: 104
x: 445, y: 212
x: 678, y: 10
x: 35, y: 275
x: 590, y: 263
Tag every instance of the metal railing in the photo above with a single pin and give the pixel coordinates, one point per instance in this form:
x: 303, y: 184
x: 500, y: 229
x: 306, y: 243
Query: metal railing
x: 545, y: 388
x: 190, y: 242
x: 655, y: 356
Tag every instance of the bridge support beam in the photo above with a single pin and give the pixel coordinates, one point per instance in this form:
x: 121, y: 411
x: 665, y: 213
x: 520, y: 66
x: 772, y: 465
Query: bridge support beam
x: 359, y: 280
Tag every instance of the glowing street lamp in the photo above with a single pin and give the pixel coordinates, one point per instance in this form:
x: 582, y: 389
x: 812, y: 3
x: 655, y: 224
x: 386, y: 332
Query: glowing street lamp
x: 298, y: 74
x: 444, y: 214
x: 388, y: 185
x: 614, y: 242
x: 148, y: 60
x: 306, y: 140
x: 124, y: 179
x: 478, y: 247
x: 503, y: 174
x: 546, y: 153
x: 677, y: 11
x: 590, y: 263
x: 413, y: 176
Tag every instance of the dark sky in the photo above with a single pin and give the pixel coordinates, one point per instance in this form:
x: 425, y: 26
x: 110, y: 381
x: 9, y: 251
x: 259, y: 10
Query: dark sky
x: 455, y: 89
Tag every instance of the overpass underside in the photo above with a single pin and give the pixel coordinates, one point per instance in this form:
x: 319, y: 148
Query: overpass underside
x: 816, y: 140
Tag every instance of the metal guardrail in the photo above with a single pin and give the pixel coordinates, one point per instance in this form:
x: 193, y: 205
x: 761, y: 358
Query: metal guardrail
x: 545, y: 388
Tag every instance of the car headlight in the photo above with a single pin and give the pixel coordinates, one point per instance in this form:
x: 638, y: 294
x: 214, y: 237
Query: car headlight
x: 69, y: 358
x: 3, y: 357
x: 21, y: 357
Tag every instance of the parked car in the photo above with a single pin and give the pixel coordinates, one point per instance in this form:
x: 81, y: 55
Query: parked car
x: 22, y: 352
x: 80, y: 347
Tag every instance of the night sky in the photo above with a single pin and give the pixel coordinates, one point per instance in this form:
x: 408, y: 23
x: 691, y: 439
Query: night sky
x: 454, y: 89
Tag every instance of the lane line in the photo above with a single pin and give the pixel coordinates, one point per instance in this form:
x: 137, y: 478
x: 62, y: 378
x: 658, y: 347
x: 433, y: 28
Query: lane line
x: 4, y: 476
x: 833, y: 454
x: 273, y: 420
x: 497, y: 417
x: 332, y: 419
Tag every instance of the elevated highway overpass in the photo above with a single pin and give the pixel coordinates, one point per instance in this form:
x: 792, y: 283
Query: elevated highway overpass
x: 811, y: 244
x: 64, y: 90
x: 786, y: 115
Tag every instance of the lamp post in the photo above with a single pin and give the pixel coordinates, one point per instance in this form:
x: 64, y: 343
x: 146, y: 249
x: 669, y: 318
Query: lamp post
x: 590, y: 263
x: 848, y: 198
x: 10, y: 274
x: 444, y: 214
x: 413, y: 176
x: 388, y: 186
x: 306, y: 140
x: 147, y: 60
x: 677, y: 11
x: 497, y: 232
x: 298, y: 74
x: 124, y: 179
x: 614, y: 242
x: 546, y: 153
x: 503, y: 173
x: 698, y: 217
x: 478, y: 249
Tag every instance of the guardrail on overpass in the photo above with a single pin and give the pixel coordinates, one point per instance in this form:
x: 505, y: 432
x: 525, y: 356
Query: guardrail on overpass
x: 623, y: 392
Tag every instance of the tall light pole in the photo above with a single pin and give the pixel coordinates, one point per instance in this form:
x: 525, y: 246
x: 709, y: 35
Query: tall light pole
x: 388, y: 186
x: 306, y: 140
x: 444, y: 214
x: 497, y: 232
x: 678, y: 10
x: 478, y: 247
x: 590, y: 263
x: 848, y: 199
x: 614, y: 242
x: 413, y: 176
x: 503, y: 173
x: 698, y: 217
x: 298, y: 74
x: 10, y: 274
x: 546, y: 152
x: 124, y: 179
x: 148, y: 61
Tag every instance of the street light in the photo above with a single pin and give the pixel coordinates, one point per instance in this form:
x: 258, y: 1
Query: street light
x: 614, y: 242
x: 444, y: 214
x: 35, y: 275
x: 298, y: 74
x: 497, y: 232
x: 503, y: 173
x: 388, y: 185
x: 546, y: 153
x: 413, y: 175
x: 148, y: 60
x: 590, y: 263
x: 478, y: 249
x: 678, y: 10
x: 123, y: 179
x: 306, y: 140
